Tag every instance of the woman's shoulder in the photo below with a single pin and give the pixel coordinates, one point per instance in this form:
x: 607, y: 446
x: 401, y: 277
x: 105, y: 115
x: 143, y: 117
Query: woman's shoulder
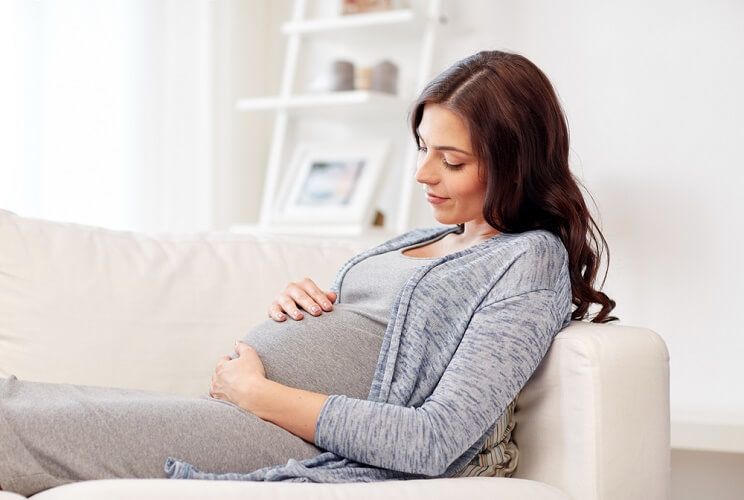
x: 537, y: 259
x: 540, y: 242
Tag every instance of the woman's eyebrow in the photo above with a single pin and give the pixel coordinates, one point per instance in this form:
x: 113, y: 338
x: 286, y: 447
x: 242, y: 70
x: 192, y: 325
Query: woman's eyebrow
x: 445, y: 148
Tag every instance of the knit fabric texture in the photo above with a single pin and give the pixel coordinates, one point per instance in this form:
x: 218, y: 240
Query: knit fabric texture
x: 465, y: 334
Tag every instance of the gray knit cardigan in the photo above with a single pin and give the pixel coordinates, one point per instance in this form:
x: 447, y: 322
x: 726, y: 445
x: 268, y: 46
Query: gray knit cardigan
x: 465, y: 334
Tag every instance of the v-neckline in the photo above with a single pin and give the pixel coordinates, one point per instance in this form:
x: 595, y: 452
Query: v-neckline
x: 422, y: 244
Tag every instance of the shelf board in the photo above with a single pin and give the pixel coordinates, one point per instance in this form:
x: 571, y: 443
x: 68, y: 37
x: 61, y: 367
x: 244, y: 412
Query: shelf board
x: 342, y: 22
x: 362, y: 99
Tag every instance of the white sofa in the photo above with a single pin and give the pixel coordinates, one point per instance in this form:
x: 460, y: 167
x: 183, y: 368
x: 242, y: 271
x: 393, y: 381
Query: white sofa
x: 88, y: 305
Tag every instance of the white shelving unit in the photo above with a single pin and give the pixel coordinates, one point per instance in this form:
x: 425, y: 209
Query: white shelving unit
x: 349, y: 105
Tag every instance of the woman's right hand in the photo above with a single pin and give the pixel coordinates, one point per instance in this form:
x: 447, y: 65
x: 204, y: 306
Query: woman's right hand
x: 304, y: 293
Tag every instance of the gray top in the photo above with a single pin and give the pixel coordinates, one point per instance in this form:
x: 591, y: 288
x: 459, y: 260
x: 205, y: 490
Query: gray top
x: 336, y: 352
x: 370, y: 286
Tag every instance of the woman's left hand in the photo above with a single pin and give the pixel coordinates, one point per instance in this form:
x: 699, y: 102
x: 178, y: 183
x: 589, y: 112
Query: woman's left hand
x: 234, y: 380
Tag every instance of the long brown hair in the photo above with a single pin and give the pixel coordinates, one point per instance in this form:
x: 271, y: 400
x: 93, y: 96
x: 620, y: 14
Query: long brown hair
x: 519, y: 133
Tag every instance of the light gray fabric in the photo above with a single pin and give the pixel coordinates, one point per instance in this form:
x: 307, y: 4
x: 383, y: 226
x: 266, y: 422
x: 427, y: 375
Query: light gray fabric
x: 368, y: 285
x: 466, y: 332
x: 337, y: 351
x: 120, y: 433
x: 53, y: 434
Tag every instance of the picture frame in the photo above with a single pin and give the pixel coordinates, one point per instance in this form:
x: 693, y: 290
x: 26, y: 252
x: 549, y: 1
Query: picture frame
x: 350, y: 7
x: 332, y: 184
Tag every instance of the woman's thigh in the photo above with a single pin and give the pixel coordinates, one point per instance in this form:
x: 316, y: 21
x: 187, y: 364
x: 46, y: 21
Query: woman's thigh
x: 51, y: 434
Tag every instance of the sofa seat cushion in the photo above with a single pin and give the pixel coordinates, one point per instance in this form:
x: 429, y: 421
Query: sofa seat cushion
x: 474, y: 488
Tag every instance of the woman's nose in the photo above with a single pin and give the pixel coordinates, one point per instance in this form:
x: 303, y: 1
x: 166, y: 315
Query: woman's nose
x: 425, y: 174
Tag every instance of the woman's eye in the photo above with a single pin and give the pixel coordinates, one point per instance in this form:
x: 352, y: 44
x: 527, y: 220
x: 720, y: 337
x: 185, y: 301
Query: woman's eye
x: 451, y: 166
x: 422, y: 149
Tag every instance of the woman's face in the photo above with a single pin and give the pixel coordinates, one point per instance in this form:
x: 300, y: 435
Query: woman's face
x: 444, y: 139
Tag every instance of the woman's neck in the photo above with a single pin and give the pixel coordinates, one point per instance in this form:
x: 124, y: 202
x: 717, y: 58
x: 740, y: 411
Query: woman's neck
x: 475, y: 232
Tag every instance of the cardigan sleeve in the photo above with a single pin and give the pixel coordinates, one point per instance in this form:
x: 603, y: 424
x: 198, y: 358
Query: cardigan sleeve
x: 500, y: 349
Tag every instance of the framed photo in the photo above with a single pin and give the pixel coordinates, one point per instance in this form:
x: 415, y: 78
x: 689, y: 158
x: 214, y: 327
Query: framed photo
x: 332, y: 183
x: 364, y: 6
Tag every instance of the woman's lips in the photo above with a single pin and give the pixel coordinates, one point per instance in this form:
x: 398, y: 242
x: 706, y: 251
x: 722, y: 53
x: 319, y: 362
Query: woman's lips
x: 436, y: 200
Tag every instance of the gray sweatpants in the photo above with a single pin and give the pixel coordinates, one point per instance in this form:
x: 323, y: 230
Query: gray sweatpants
x: 52, y: 434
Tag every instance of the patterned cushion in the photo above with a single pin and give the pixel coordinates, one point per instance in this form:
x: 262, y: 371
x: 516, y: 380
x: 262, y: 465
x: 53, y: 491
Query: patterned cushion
x: 499, y: 455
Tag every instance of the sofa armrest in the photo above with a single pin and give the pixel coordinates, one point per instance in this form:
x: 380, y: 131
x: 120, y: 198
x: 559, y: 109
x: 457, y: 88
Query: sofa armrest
x: 593, y: 420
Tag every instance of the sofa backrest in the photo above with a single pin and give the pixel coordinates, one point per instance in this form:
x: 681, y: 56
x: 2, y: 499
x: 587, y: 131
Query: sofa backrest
x: 88, y: 305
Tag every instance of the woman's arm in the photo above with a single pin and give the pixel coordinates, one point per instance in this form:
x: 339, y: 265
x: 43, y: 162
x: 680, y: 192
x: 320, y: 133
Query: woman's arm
x: 295, y: 410
x: 501, y: 348
x: 243, y: 381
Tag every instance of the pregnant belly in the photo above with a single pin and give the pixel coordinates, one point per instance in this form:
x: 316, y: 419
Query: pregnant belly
x: 334, y: 353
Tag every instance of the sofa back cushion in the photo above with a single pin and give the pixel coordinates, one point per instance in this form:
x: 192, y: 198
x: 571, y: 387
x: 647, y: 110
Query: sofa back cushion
x: 88, y: 305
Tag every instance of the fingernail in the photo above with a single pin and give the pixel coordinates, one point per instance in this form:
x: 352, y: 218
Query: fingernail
x: 315, y: 309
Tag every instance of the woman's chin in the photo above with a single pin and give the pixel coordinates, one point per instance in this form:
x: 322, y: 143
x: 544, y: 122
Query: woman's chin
x: 444, y: 219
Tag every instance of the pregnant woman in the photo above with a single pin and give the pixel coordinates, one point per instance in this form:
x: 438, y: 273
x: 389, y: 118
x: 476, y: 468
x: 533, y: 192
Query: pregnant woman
x: 409, y: 365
